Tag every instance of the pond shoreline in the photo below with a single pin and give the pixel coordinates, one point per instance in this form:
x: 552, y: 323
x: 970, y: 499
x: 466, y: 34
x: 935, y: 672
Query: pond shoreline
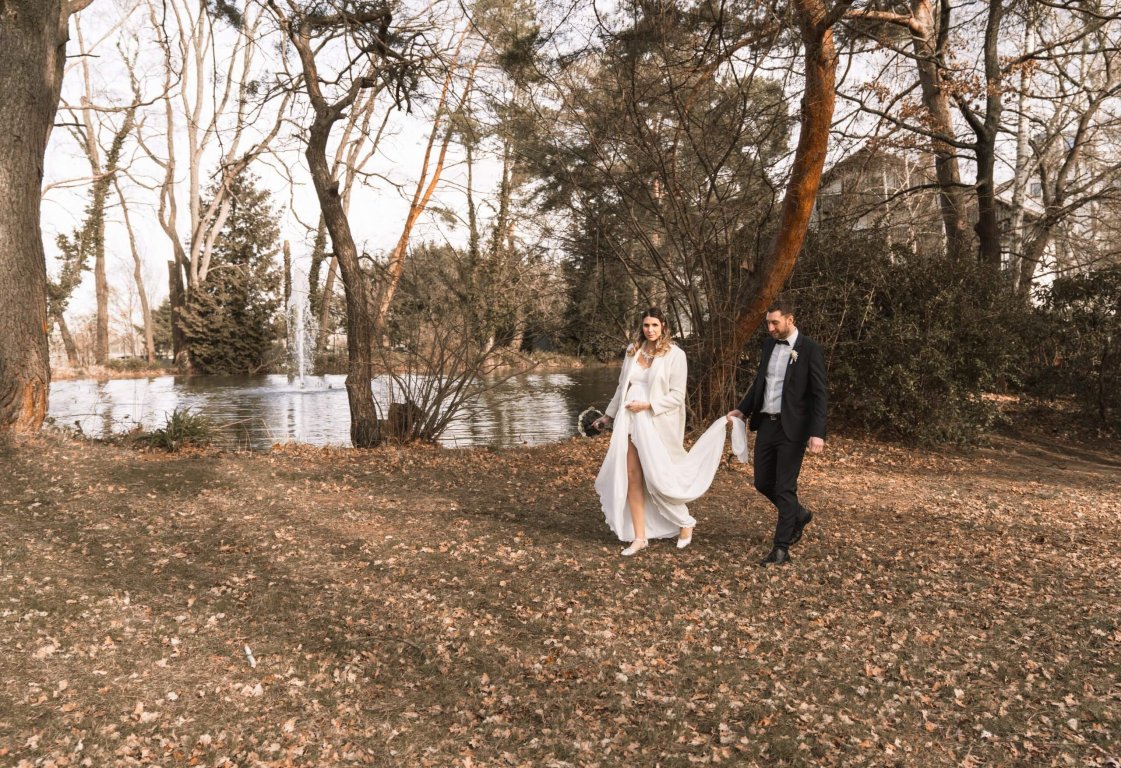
x: 544, y: 362
x: 506, y: 408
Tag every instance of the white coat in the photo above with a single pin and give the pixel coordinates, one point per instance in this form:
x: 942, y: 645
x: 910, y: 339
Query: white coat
x: 667, y: 395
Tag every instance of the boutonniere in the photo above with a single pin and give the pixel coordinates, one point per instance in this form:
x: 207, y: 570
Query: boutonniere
x: 793, y: 356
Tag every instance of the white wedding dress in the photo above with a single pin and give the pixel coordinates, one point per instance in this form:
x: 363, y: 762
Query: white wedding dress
x: 673, y: 476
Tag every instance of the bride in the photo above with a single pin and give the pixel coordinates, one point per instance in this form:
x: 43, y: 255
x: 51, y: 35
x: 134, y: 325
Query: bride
x: 647, y: 470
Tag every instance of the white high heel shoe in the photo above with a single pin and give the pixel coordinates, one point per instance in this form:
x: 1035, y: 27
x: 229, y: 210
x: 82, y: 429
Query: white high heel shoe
x: 636, y: 546
x: 683, y: 543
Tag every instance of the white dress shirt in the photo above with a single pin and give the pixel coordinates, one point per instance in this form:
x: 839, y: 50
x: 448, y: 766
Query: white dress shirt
x: 776, y: 372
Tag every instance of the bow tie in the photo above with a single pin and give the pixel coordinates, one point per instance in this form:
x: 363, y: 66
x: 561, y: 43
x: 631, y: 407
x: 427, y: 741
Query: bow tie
x: 782, y: 341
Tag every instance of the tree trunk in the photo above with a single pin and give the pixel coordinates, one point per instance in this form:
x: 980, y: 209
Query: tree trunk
x: 138, y: 278
x: 318, y: 255
x: 951, y: 195
x: 177, y: 300
x: 1032, y: 254
x: 324, y: 328
x: 716, y: 385
x: 1024, y: 166
x: 364, y: 431
x: 928, y: 43
x: 32, y: 55
x: 472, y: 209
x: 287, y: 251
x: 101, y: 292
x: 364, y: 427
x: 67, y: 341
x: 988, y: 230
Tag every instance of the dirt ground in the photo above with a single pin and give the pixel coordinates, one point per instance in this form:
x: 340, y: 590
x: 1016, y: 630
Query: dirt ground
x: 426, y: 607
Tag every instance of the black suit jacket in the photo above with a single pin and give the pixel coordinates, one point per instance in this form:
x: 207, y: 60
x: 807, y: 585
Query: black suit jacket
x: 805, y: 398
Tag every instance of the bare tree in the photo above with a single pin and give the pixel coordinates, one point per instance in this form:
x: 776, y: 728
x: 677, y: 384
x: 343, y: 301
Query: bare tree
x: 357, y: 146
x: 927, y: 24
x: 430, y: 172
x: 1072, y: 118
x: 138, y: 277
x: 364, y: 27
x: 217, y: 110
x: 973, y: 66
x: 32, y: 63
x: 89, y: 119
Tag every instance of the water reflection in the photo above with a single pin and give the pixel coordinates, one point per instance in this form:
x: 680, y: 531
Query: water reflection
x: 257, y: 412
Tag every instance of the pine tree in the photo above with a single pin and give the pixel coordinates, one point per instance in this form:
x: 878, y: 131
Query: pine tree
x: 228, y: 322
x: 161, y: 329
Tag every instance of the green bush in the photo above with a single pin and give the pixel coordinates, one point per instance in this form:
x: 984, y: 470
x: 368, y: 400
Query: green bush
x: 183, y: 428
x: 1078, y: 352
x: 913, y: 343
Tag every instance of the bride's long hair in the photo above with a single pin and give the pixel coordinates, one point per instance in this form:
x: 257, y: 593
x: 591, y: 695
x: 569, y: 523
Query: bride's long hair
x: 662, y: 345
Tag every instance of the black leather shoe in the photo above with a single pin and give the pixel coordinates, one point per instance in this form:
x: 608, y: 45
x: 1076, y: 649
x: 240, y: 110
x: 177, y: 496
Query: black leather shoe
x: 777, y: 556
x: 799, y: 525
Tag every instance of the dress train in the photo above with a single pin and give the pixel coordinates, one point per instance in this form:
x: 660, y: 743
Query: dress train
x: 672, y: 478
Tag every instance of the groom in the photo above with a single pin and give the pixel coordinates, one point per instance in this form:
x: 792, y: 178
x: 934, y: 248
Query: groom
x: 786, y: 406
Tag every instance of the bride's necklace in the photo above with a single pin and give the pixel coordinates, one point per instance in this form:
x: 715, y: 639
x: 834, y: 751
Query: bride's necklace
x: 647, y: 356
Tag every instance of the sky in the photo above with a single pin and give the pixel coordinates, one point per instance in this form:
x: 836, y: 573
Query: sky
x: 378, y: 208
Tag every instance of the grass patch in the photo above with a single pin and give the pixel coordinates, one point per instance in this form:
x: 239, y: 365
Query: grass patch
x: 182, y: 429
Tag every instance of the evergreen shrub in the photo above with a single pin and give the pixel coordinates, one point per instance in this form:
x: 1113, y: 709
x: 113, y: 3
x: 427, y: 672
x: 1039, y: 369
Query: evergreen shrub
x: 229, y: 321
x: 1078, y: 351
x: 914, y: 344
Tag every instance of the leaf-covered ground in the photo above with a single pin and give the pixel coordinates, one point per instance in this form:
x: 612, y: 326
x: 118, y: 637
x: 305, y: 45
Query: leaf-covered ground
x: 426, y: 607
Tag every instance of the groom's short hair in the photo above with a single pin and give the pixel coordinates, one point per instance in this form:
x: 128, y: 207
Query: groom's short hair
x: 783, y: 305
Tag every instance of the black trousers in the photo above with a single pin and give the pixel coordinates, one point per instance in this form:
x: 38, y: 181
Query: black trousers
x: 778, y: 460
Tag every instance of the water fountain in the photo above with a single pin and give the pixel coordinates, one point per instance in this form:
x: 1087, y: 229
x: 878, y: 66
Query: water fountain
x: 302, y: 329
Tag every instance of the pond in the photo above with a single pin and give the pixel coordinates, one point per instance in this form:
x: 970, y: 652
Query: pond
x: 257, y: 412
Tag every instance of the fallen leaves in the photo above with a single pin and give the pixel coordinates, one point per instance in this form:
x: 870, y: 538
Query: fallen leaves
x: 426, y: 607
